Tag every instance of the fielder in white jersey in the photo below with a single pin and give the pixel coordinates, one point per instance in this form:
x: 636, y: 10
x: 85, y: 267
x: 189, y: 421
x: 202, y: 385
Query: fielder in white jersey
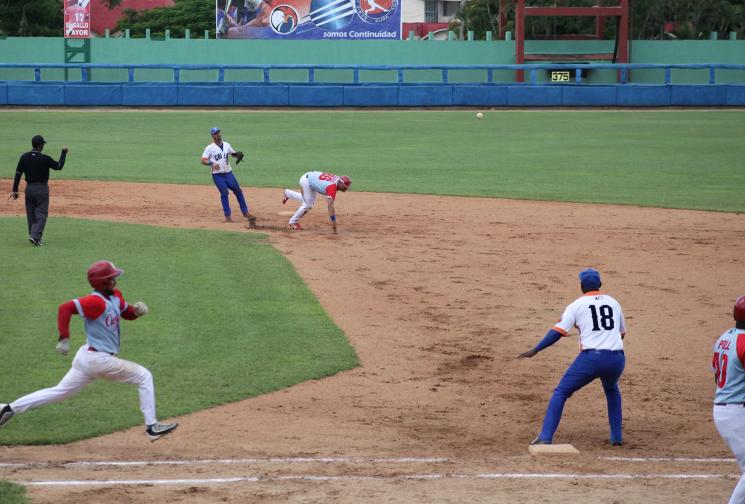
x: 217, y: 156
x: 728, y: 364
x: 101, y: 312
x: 312, y: 184
x: 602, y: 327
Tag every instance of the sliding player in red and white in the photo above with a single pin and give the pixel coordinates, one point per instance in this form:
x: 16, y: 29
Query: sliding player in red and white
x: 312, y: 184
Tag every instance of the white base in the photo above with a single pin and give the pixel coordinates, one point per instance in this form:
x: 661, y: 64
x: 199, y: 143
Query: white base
x: 552, y: 449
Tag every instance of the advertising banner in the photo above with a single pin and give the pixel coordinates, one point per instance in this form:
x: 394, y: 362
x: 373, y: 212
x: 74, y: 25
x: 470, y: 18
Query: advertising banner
x: 308, y: 19
x: 77, y: 19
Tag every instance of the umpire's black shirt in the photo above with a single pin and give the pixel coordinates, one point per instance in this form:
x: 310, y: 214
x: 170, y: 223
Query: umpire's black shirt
x: 36, y: 167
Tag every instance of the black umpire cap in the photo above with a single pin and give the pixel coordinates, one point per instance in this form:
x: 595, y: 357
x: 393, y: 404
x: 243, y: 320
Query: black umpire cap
x: 37, y: 141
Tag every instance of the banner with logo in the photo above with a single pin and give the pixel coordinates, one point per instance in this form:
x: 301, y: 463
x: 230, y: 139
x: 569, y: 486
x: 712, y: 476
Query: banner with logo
x: 77, y: 19
x: 308, y: 19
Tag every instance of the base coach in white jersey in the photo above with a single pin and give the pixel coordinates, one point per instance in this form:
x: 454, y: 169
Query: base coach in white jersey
x: 97, y: 358
x: 728, y: 364
x: 602, y: 327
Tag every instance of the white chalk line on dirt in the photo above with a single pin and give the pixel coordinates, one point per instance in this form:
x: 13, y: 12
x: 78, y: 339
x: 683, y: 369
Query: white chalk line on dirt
x: 270, y: 460
x: 312, y: 460
x: 412, y: 477
x: 668, y: 459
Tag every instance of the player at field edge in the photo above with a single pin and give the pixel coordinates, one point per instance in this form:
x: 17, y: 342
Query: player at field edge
x: 728, y: 364
x: 97, y: 358
x: 600, y: 321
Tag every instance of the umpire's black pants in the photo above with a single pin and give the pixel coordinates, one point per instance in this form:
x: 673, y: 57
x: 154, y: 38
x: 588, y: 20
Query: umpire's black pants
x: 37, y: 208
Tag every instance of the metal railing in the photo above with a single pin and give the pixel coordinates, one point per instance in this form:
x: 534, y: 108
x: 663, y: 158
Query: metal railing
x: 580, y: 70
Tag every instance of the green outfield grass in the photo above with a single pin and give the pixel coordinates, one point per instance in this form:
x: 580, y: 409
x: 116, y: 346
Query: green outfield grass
x: 11, y: 493
x: 229, y: 319
x: 677, y: 159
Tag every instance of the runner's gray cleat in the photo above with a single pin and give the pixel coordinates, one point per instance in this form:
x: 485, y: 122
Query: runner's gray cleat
x: 6, y: 413
x: 158, y: 430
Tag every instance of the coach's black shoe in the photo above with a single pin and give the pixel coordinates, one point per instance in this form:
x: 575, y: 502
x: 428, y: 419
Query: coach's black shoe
x: 538, y: 441
x: 158, y: 430
x: 616, y: 443
x: 35, y: 242
x: 6, y: 413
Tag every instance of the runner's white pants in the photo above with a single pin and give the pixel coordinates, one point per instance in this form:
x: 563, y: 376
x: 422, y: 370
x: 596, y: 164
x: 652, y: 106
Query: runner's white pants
x: 87, y: 366
x: 730, y: 422
x: 307, y: 197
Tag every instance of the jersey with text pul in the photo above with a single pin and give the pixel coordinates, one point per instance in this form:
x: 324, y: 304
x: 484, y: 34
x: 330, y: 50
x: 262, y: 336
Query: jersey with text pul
x: 101, y: 317
x: 219, y: 154
x: 729, y: 368
x: 599, y: 319
x: 323, y: 183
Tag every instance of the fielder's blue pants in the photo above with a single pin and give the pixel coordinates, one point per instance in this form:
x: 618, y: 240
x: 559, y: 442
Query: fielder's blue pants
x: 590, y: 364
x: 225, y: 181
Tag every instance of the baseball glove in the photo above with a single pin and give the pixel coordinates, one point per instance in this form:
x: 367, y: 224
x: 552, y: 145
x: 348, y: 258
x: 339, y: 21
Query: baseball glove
x: 238, y: 157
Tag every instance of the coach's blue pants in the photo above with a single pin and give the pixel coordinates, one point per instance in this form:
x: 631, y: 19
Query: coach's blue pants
x: 590, y: 364
x: 225, y: 181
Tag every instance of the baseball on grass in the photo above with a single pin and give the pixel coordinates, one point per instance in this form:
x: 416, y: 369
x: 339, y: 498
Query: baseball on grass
x: 479, y: 115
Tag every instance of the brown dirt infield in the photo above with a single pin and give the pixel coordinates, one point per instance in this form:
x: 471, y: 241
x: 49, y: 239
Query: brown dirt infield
x: 438, y: 295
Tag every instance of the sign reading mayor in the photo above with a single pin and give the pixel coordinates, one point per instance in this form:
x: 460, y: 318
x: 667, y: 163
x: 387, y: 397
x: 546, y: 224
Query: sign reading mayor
x: 308, y: 19
x: 77, y: 18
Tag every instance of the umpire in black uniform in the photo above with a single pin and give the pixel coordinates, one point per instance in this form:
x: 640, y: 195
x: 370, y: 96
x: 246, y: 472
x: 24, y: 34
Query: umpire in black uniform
x: 36, y: 167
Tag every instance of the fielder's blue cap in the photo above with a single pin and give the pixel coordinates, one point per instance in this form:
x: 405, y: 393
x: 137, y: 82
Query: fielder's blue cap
x: 214, y: 130
x: 590, y: 279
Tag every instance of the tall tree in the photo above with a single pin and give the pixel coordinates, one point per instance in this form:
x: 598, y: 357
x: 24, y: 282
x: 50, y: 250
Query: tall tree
x: 649, y: 19
x: 37, y: 18
x: 195, y: 15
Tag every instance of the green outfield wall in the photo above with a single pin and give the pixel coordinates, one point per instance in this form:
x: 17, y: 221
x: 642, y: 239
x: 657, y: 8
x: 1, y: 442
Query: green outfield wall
x: 382, y: 52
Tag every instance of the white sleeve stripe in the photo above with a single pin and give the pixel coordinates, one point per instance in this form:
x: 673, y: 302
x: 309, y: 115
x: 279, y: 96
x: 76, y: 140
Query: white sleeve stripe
x: 78, y: 306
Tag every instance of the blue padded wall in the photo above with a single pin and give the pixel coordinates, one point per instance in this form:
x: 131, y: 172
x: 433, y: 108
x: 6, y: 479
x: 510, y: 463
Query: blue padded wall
x: 149, y: 94
x: 642, y: 96
x: 93, y: 94
x: 226, y: 94
x: 700, y: 95
x: 371, y: 96
x: 494, y: 96
x: 31, y: 93
x: 588, y: 96
x: 534, y: 96
x: 205, y: 94
x: 273, y: 95
x: 310, y: 95
x: 425, y: 96
x: 735, y: 95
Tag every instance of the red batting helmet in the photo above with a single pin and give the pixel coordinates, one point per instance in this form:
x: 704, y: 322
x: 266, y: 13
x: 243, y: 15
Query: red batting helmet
x: 346, y: 181
x: 100, y: 272
x: 739, y: 311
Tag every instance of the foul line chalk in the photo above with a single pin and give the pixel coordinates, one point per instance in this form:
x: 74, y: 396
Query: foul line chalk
x: 425, y: 477
x: 321, y: 460
x: 271, y: 460
x: 668, y: 459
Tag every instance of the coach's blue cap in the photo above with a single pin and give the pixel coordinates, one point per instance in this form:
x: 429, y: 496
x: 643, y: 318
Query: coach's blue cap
x: 214, y: 130
x: 590, y: 279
